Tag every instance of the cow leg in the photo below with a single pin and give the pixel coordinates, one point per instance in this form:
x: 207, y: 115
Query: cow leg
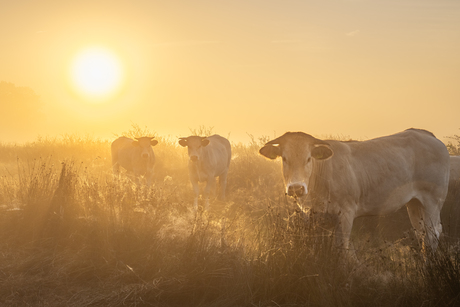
x: 343, y: 230
x: 426, y: 222
x: 222, y: 185
x: 432, y: 219
x: 149, y: 178
x: 196, y: 191
x: 210, y: 184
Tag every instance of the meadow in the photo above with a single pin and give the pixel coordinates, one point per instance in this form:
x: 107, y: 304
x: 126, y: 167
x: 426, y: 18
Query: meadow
x: 73, y: 235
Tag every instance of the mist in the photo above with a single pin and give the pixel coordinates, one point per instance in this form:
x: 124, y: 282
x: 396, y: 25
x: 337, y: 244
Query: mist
x: 356, y: 68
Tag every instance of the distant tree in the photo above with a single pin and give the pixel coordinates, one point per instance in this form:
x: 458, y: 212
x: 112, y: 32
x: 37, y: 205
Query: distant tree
x: 202, y: 131
x: 137, y: 131
x: 20, y: 109
x: 454, y: 149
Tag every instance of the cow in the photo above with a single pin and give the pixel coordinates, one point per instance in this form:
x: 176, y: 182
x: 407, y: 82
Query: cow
x: 348, y: 179
x: 209, y: 157
x: 135, y: 156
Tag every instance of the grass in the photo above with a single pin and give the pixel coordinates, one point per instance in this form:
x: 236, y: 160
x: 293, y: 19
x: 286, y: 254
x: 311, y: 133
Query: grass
x: 70, y: 235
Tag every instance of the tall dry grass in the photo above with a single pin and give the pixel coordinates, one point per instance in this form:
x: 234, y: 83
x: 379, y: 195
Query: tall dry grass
x: 72, y: 235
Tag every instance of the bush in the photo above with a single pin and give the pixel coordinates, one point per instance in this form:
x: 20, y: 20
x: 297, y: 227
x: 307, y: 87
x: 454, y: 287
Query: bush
x: 72, y: 235
x: 454, y: 149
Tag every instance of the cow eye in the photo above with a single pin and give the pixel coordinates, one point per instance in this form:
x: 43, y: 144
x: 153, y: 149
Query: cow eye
x: 309, y: 159
x: 284, y: 159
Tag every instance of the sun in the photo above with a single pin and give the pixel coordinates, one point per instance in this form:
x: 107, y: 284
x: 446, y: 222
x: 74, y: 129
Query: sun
x: 96, y: 73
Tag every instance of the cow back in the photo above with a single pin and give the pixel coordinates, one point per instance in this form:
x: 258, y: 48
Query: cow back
x: 216, y: 156
x: 378, y: 174
x: 129, y: 156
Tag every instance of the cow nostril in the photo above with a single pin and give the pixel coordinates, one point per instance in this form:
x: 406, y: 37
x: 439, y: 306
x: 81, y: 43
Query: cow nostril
x: 301, y: 191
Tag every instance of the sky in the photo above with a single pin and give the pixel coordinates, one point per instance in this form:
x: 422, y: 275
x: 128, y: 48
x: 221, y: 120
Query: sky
x: 353, y: 68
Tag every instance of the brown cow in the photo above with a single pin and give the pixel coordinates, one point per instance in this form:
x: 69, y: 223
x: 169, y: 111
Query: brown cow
x: 136, y: 156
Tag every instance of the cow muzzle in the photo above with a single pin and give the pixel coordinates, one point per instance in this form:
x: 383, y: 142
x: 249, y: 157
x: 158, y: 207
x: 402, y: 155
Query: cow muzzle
x: 297, y: 190
x: 193, y: 158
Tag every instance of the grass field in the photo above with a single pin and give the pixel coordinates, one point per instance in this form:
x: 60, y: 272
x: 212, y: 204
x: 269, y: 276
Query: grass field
x: 71, y: 235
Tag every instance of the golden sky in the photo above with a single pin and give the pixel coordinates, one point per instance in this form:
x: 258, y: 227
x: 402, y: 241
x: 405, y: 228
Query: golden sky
x: 357, y: 68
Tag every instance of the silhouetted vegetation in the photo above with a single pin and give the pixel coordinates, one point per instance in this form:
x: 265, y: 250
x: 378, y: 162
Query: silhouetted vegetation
x: 71, y: 235
x: 454, y: 148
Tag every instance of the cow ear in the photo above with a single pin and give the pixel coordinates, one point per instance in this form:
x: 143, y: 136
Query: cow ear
x: 153, y: 142
x: 322, y: 152
x: 183, y: 142
x: 204, y: 142
x: 270, y: 151
x: 135, y: 143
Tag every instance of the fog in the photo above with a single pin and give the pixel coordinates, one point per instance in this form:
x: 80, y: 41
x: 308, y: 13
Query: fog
x: 361, y: 69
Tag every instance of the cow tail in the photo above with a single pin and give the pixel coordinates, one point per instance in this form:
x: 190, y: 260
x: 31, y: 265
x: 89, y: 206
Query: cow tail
x: 229, y: 147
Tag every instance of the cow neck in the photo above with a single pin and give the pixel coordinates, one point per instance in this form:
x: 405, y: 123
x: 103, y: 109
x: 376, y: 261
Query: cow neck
x: 197, y: 168
x: 145, y: 162
x: 318, y: 187
x: 199, y: 163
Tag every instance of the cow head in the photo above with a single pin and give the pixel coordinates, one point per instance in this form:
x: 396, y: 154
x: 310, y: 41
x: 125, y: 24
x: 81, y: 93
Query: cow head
x: 195, y: 145
x: 144, y: 144
x: 298, y: 150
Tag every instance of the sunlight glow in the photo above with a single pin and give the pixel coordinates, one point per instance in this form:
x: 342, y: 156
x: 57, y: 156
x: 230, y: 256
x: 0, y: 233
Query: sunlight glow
x: 96, y: 73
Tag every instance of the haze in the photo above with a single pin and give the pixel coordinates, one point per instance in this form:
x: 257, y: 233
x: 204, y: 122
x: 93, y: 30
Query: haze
x: 355, y: 68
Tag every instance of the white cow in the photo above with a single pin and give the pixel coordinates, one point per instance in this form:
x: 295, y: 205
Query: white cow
x: 374, y: 177
x: 209, y: 158
x: 136, y: 156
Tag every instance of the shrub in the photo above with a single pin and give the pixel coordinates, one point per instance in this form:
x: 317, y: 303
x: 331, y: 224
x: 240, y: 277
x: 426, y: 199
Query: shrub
x: 72, y: 235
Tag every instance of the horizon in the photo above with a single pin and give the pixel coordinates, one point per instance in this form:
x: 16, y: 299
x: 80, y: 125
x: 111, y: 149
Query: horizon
x: 353, y: 68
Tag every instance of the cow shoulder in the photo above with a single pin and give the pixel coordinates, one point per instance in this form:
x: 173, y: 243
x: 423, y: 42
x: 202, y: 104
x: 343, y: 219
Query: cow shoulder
x: 121, y: 142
